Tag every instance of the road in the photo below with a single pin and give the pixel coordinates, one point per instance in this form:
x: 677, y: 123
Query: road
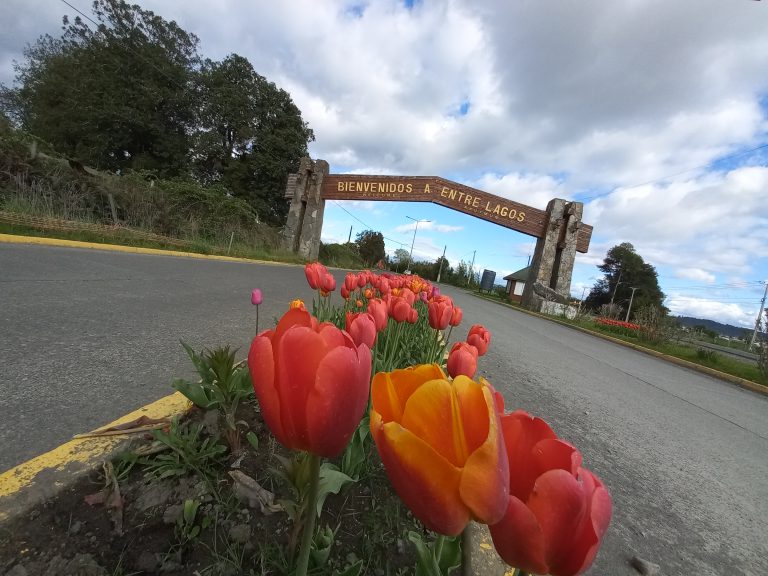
x: 87, y: 335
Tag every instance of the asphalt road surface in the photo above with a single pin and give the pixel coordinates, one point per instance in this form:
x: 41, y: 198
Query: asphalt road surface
x: 86, y: 336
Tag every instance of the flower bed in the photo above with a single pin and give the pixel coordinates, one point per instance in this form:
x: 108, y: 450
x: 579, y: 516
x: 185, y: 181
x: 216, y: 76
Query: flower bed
x: 618, y: 326
x: 358, y: 406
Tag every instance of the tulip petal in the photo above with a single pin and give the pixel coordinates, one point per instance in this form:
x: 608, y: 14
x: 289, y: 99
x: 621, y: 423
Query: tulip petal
x: 518, y: 538
x: 485, y: 479
x: 337, y: 401
x: 426, y: 482
x: 261, y: 365
x: 521, y: 432
x: 588, y: 536
x: 391, y: 390
x: 560, y: 505
x: 553, y: 453
x: 432, y: 413
x: 298, y: 357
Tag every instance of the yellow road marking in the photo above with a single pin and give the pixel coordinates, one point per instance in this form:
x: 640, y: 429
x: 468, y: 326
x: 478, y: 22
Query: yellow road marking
x: 82, y: 450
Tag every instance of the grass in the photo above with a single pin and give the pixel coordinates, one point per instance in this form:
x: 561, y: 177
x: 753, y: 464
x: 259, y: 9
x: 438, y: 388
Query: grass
x: 125, y: 238
x: 709, y: 359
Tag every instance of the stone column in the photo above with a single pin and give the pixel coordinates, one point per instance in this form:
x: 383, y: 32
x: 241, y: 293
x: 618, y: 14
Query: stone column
x: 312, y: 226
x: 553, y: 259
x: 301, y: 233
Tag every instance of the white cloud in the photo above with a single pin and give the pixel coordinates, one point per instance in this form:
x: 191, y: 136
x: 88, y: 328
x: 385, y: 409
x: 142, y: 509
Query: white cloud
x: 695, y: 274
x: 591, y: 98
x: 431, y: 226
x: 728, y: 313
x: 716, y: 223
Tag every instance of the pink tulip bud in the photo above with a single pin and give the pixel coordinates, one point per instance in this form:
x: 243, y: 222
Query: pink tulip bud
x: 256, y: 297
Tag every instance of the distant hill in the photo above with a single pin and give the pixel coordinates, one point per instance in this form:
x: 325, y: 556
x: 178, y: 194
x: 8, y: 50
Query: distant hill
x: 724, y: 329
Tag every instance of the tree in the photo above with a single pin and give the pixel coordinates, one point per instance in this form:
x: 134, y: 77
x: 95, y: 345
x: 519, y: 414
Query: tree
x: 401, y: 256
x: 370, y: 245
x: 625, y: 269
x: 250, y: 135
x: 114, y: 96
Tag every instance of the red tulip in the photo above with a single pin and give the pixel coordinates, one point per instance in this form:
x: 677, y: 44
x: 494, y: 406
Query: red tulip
x: 378, y: 309
x: 327, y: 282
x: 557, y: 511
x: 441, y: 446
x: 344, y: 292
x: 480, y: 338
x: 312, y: 383
x: 362, y: 327
x: 462, y: 360
x: 456, y: 316
x: 409, y: 296
x: 350, y: 281
x: 399, y: 309
x: 439, y: 313
x: 413, y: 316
x: 312, y: 271
x: 362, y: 280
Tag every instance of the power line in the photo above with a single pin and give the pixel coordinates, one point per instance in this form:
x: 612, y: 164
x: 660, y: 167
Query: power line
x: 366, y: 225
x: 720, y: 159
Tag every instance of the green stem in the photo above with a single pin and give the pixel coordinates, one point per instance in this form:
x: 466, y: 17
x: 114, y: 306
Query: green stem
x: 466, y: 552
x: 257, y: 319
x: 310, y: 512
x: 439, y: 547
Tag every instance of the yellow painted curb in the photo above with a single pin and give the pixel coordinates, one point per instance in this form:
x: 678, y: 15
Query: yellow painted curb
x: 748, y: 384
x: 44, y: 476
x: 15, y: 239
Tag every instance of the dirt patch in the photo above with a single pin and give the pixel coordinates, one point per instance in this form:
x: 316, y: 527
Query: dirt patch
x: 169, y: 513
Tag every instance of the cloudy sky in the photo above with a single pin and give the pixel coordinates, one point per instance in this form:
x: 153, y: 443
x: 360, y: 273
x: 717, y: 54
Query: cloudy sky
x: 652, y: 113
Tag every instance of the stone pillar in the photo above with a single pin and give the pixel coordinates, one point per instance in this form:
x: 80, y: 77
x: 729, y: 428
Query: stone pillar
x: 301, y: 233
x: 553, y: 259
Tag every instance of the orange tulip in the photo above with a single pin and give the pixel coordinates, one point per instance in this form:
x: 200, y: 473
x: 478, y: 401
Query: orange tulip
x: 441, y: 444
x: 296, y: 304
x: 312, y: 383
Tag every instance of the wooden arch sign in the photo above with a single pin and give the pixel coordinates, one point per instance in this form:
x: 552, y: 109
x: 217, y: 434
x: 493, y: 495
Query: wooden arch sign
x: 559, y: 229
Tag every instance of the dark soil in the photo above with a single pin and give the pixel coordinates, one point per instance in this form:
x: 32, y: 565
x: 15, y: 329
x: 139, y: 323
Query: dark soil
x: 66, y: 535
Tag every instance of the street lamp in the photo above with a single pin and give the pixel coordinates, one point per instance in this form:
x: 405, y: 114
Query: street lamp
x: 630, y: 303
x: 410, y: 256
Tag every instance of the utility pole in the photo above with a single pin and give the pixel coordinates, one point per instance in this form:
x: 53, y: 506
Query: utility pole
x: 472, y: 269
x: 349, y: 239
x: 616, y: 287
x: 442, y: 259
x: 581, y: 301
x: 410, y: 255
x: 759, y: 314
x: 630, y: 303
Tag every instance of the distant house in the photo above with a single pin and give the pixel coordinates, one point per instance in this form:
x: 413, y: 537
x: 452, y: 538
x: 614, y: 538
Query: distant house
x: 516, y: 283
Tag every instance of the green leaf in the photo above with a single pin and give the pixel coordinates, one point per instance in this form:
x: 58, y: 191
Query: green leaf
x: 253, y: 440
x: 195, y: 392
x: 353, y: 570
x: 426, y: 564
x: 332, y: 480
x: 450, y: 556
